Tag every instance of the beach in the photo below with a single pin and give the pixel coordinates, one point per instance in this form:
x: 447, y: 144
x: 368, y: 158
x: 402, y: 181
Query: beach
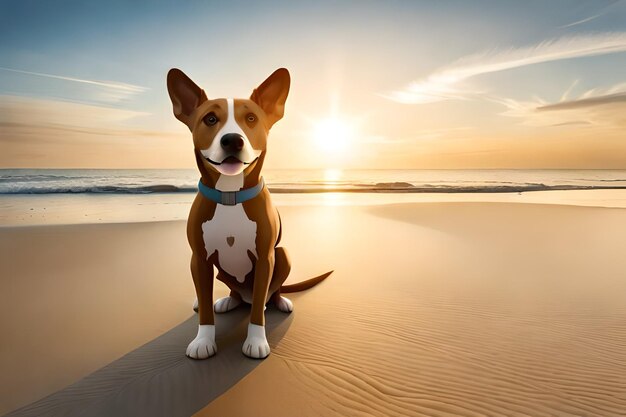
x: 449, y: 308
x: 446, y: 179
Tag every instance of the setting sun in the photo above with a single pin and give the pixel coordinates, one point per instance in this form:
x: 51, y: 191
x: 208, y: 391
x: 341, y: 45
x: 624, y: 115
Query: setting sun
x: 333, y: 135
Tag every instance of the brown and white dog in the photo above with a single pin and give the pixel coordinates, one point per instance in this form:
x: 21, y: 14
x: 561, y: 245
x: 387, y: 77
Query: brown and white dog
x: 233, y: 224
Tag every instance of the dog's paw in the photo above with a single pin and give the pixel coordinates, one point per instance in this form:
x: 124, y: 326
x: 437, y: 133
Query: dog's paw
x: 256, y: 345
x: 195, y: 305
x: 224, y: 304
x: 284, y: 304
x: 203, y: 346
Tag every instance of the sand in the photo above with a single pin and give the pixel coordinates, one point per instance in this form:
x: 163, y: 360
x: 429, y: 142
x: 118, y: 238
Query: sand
x: 434, y: 309
x: 47, y: 209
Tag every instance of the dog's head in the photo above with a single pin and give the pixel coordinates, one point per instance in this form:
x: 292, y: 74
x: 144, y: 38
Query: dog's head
x: 229, y: 135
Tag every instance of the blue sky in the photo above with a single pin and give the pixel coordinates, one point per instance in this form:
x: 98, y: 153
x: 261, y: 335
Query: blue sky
x: 449, y: 84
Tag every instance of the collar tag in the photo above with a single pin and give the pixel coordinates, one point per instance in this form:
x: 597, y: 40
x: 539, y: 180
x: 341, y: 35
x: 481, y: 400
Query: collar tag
x: 229, y: 198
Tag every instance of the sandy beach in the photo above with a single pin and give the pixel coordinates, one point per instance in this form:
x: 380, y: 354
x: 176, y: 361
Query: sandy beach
x: 434, y: 309
x: 447, y: 180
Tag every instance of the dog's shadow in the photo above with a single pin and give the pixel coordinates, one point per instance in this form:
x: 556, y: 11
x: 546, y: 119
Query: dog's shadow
x: 157, y: 379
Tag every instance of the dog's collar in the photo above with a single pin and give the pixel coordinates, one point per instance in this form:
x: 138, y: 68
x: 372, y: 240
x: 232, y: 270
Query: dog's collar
x: 230, y: 198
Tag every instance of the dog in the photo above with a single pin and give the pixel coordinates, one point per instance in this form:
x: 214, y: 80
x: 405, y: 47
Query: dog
x: 233, y: 224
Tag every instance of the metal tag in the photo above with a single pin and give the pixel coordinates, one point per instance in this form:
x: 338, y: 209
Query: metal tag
x: 229, y: 198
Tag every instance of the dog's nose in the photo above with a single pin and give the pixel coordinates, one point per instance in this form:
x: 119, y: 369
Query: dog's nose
x: 232, y: 142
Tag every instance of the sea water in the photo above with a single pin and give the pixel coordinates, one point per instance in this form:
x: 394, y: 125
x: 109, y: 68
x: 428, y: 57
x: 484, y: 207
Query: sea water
x: 59, y: 196
x: 146, y: 181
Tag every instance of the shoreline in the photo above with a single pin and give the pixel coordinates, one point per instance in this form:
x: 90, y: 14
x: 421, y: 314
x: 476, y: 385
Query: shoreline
x: 130, y: 208
x: 387, y: 188
x: 312, y: 181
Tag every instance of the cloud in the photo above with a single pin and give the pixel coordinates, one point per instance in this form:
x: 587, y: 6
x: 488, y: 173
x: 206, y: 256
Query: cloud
x: 572, y: 123
x: 107, y: 90
x: 580, y: 22
x: 43, y: 120
x: 44, y: 112
x: 38, y: 132
x: 443, y: 84
x: 597, y: 108
x: 601, y: 12
x: 585, y: 102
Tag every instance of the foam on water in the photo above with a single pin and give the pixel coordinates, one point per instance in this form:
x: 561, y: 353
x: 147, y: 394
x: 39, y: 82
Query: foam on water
x: 80, y: 181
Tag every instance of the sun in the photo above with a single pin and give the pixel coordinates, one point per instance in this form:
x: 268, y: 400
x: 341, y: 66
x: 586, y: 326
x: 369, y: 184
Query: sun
x: 333, y: 135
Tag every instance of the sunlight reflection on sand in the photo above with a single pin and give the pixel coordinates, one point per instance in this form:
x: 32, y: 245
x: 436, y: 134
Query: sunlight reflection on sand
x: 22, y: 210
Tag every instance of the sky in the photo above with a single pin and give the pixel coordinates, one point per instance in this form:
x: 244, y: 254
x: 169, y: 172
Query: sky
x: 375, y: 84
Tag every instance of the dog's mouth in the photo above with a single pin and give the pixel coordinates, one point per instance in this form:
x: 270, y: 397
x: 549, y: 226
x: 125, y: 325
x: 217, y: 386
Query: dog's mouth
x: 230, y: 160
x: 230, y: 165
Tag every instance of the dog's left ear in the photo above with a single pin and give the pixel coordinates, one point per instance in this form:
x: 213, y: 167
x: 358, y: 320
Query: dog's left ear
x: 271, y: 95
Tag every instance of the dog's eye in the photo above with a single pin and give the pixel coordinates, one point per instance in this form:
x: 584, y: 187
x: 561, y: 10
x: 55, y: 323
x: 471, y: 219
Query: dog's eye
x: 210, y: 119
x: 251, y: 118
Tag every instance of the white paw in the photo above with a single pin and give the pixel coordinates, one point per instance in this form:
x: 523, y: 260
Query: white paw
x: 203, y: 346
x: 284, y: 304
x: 224, y: 304
x: 195, y: 305
x: 256, y: 345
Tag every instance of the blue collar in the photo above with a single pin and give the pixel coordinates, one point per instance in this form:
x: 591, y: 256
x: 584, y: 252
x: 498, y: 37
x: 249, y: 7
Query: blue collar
x: 230, y: 198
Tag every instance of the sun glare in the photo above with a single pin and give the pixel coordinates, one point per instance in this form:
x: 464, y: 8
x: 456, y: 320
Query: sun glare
x: 333, y: 135
x: 332, y: 175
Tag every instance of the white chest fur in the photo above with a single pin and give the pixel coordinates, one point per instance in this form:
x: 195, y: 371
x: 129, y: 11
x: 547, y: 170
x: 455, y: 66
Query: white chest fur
x: 231, y: 233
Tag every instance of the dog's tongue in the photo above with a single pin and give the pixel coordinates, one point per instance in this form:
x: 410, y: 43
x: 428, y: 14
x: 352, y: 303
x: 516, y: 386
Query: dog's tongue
x: 231, y: 165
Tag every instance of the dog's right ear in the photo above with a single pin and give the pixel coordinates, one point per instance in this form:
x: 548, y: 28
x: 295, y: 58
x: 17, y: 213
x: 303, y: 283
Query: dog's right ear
x: 186, y: 96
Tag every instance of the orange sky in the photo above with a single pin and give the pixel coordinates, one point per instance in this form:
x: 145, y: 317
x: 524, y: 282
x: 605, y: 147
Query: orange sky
x: 373, y: 85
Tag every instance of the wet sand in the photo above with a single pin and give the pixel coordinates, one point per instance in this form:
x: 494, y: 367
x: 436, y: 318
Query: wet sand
x: 434, y: 309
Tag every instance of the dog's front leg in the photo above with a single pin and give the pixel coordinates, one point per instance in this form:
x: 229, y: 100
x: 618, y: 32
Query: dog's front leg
x: 256, y: 345
x: 203, y: 346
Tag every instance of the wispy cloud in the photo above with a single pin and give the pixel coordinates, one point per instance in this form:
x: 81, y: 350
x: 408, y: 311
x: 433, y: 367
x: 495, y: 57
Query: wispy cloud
x: 599, y: 108
x: 604, y: 10
x: 446, y: 83
x: 581, y: 21
x: 17, y: 109
x: 586, y: 102
x: 55, y: 119
x: 109, y: 90
x: 53, y: 133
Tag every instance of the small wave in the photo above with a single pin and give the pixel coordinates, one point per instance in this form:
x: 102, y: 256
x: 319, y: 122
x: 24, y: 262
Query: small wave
x: 395, y: 184
x: 105, y: 189
x: 40, y: 178
x: 381, y: 187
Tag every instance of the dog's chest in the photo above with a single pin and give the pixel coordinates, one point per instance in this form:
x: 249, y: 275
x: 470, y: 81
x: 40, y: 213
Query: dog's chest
x: 231, y: 234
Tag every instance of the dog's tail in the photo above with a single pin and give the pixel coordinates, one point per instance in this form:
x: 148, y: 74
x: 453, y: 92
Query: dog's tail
x: 304, y: 285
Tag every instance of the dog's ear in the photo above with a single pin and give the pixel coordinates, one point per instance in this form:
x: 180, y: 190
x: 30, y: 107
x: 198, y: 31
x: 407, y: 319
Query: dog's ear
x: 186, y: 96
x: 271, y: 95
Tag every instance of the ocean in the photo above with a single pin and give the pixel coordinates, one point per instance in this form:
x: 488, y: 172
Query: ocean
x: 69, y: 196
x: 148, y: 181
